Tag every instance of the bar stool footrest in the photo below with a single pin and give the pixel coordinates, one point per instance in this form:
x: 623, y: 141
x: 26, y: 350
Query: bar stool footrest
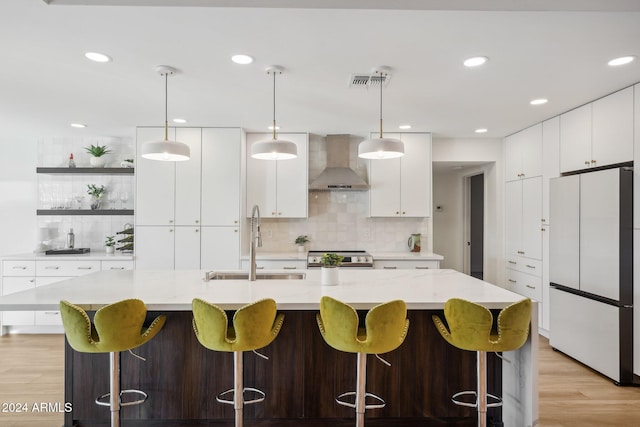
x: 101, y: 399
x: 261, y: 396
x: 497, y: 403
x: 353, y: 405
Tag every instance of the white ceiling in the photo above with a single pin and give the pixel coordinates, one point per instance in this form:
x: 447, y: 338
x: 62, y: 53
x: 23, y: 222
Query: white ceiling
x: 560, y: 54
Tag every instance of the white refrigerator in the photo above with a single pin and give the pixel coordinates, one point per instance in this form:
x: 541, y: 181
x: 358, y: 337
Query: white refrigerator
x: 591, y: 270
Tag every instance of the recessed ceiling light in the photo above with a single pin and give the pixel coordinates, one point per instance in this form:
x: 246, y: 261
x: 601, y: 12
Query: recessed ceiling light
x: 481, y: 130
x: 623, y: 60
x: 97, y: 57
x: 475, y: 61
x: 242, y: 59
x: 539, y: 101
x: 78, y: 125
x: 271, y: 127
x: 404, y: 126
x: 179, y: 121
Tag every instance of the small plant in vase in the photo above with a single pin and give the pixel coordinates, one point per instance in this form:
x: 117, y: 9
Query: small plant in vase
x: 110, y: 244
x: 301, y: 241
x: 329, y: 271
x: 97, y: 152
x: 96, y: 193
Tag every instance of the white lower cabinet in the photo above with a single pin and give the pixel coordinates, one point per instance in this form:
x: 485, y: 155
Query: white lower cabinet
x: 406, y: 264
x: 187, y: 248
x: 11, y: 285
x: 155, y: 248
x: 220, y: 248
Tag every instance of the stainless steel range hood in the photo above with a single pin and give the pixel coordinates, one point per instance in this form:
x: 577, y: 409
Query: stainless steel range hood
x: 338, y: 176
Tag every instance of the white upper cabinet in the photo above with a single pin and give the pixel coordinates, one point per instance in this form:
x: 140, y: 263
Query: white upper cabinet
x: 221, y: 158
x: 598, y: 134
x: 551, y: 164
x: 523, y: 154
x: 155, y: 183
x: 279, y: 187
x: 187, y: 194
x: 613, y: 128
x: 402, y: 187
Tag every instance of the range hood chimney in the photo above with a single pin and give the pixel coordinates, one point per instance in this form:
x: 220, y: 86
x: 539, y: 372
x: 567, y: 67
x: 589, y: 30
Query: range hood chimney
x: 338, y: 176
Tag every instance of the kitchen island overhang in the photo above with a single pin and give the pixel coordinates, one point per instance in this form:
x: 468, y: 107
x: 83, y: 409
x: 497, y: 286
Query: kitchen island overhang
x: 424, y: 291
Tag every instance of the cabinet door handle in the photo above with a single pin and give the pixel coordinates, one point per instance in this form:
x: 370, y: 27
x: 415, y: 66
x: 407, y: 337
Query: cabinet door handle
x: 543, y: 220
x: 273, y: 214
x: 404, y: 213
x: 235, y: 222
x: 116, y: 268
x: 52, y: 313
x: 530, y: 286
x: 389, y: 267
x: 513, y: 281
x: 197, y: 222
x: 171, y: 230
x: 32, y: 280
x: 170, y: 221
x: 85, y: 268
x: 587, y: 162
x: 259, y: 268
x: 197, y: 230
x: 512, y: 262
x: 397, y: 213
x: 235, y: 231
x: 289, y: 268
x: 530, y: 266
x: 421, y: 268
x: 521, y: 252
x: 19, y: 267
x: 593, y: 162
x: 52, y: 267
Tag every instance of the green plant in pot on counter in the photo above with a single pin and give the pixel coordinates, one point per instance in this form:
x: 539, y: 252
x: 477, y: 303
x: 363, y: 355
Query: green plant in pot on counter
x: 301, y: 241
x: 110, y: 244
x: 331, y: 259
x: 97, y: 151
x: 96, y: 193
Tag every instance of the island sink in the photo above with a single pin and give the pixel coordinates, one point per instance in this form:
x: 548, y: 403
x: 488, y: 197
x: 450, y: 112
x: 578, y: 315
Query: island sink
x: 216, y: 275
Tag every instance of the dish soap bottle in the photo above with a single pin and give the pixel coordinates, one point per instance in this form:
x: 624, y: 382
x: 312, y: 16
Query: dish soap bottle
x: 71, y: 239
x: 72, y: 164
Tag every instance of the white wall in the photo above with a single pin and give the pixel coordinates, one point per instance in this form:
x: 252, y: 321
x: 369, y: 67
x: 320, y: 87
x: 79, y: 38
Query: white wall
x: 448, y: 235
x: 490, y: 152
x: 18, y: 195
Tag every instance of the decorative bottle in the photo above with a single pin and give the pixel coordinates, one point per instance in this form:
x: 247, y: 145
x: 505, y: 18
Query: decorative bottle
x: 71, y: 239
x: 72, y: 164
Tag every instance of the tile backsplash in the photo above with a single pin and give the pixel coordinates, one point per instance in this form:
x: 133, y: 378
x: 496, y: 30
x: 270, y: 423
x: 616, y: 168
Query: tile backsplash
x: 340, y: 219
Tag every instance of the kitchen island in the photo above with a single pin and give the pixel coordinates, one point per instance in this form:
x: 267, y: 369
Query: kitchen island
x: 303, y: 374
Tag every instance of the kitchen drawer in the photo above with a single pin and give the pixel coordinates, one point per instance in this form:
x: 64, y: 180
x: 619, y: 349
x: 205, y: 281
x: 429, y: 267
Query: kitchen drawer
x: 117, y: 265
x: 406, y: 265
x: 525, y: 265
x: 66, y: 268
x: 18, y: 268
x: 270, y: 264
x: 525, y: 284
x: 48, y: 318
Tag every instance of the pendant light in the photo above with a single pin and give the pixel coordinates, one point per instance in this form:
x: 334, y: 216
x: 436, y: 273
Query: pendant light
x: 274, y: 149
x: 168, y: 151
x: 381, y: 148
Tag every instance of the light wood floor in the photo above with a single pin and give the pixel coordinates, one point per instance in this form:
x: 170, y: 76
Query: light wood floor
x: 571, y: 395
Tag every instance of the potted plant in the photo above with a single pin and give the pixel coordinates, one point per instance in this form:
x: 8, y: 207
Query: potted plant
x: 97, y: 151
x: 301, y: 241
x: 110, y: 244
x: 329, y: 270
x: 96, y: 193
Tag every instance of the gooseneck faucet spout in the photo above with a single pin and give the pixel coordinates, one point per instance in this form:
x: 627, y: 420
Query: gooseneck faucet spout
x: 256, y: 239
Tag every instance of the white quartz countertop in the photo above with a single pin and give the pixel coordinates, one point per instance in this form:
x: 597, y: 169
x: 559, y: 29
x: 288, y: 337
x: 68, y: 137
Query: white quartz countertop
x: 174, y: 290
x: 91, y: 256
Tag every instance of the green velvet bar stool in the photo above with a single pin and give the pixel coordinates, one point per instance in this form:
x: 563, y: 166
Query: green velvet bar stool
x: 385, y: 329
x: 471, y: 327
x: 254, y: 326
x: 116, y: 327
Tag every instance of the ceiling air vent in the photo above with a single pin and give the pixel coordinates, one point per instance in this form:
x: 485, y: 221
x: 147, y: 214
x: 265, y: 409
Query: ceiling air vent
x: 367, y: 80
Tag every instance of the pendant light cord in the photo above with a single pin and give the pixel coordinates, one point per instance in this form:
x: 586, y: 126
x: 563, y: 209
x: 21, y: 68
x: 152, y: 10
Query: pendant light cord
x: 381, y: 81
x: 166, y: 102
x: 274, y: 105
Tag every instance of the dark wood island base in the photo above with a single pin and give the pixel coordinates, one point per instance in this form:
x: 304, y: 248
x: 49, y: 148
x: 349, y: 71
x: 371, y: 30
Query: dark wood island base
x: 301, y: 379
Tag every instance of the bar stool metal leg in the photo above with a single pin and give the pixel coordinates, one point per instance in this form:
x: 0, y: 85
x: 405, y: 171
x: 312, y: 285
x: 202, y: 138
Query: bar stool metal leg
x: 482, y: 388
x: 114, y: 388
x: 238, y: 395
x: 361, y: 389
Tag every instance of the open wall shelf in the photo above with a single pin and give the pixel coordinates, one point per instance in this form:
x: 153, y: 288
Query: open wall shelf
x: 84, y: 212
x: 123, y: 171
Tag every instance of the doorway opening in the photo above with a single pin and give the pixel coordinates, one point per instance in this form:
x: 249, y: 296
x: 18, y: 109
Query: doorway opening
x: 474, y: 225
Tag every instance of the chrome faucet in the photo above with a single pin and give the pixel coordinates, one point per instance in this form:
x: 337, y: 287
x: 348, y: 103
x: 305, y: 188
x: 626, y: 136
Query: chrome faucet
x: 256, y: 238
